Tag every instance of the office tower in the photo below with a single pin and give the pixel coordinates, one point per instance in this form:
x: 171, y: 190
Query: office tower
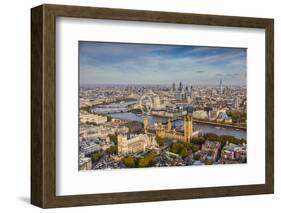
x: 174, y: 87
x: 180, y: 86
x: 220, y: 87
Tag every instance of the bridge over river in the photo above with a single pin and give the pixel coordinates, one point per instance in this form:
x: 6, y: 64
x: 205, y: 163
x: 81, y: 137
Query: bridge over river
x: 121, y: 112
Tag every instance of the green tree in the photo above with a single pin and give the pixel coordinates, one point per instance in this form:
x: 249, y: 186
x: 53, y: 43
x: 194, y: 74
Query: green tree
x: 231, y: 139
x: 181, y: 148
x: 237, y: 117
x: 224, y: 138
x: 198, y: 140
x: 188, y: 146
x: 176, y: 147
x: 112, y: 150
x: 160, y: 141
x: 147, y: 161
x: 113, y: 138
x: 96, y: 156
x: 129, y: 162
x: 211, y: 137
x: 183, y: 153
x: 195, y: 148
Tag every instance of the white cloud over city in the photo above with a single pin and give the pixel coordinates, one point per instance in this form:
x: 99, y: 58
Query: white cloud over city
x: 122, y: 63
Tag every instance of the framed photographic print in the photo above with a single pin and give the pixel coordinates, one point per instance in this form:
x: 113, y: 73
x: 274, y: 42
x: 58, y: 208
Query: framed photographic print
x: 136, y: 106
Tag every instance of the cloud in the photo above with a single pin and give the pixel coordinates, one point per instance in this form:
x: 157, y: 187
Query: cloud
x: 200, y: 71
x: 129, y: 63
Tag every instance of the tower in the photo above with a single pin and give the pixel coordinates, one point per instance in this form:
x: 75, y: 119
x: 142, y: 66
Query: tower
x: 169, y: 124
x: 174, y: 87
x: 188, y: 126
x: 145, y: 123
x: 220, y: 87
x: 185, y: 127
x: 180, y: 87
x: 122, y: 144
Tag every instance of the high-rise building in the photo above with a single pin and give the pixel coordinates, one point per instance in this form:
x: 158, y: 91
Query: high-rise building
x: 220, y: 87
x: 180, y: 86
x: 174, y: 87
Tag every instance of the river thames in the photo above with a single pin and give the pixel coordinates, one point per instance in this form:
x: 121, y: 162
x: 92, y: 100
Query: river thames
x: 206, y: 128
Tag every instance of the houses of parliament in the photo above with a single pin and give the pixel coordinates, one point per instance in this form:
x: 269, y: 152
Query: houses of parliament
x: 144, y: 141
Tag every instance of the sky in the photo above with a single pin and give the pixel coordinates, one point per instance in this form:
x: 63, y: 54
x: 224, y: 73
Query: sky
x: 124, y: 63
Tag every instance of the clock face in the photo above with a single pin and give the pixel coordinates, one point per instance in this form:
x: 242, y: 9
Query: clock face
x: 146, y: 104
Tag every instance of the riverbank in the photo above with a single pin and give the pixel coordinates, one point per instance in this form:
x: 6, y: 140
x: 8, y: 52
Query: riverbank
x: 210, y: 123
x: 219, y: 124
x: 115, y: 101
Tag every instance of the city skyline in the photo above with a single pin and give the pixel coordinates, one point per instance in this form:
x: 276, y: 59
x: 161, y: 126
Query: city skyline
x: 103, y: 63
